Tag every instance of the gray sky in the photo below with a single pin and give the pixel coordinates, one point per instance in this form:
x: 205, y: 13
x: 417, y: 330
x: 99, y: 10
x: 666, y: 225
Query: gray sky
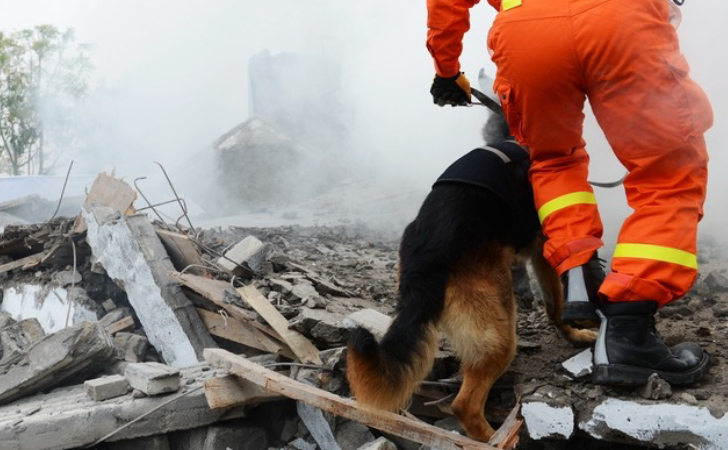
x: 175, y: 73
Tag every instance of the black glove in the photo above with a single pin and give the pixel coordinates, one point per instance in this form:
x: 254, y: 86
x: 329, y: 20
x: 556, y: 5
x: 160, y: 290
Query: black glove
x: 454, y: 91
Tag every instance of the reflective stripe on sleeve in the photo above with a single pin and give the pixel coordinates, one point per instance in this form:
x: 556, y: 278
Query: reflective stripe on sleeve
x: 575, y: 198
x: 508, y: 4
x: 657, y: 253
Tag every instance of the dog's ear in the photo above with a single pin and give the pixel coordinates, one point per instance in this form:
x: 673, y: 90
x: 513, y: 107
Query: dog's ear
x: 496, y: 129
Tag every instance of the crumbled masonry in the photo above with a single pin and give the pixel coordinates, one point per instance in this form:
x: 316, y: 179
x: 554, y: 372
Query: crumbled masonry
x: 129, y: 358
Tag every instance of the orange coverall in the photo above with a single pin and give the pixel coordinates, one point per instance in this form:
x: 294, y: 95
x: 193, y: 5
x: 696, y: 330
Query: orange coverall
x: 624, y: 56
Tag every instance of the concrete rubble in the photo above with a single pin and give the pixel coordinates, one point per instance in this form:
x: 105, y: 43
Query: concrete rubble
x: 105, y: 318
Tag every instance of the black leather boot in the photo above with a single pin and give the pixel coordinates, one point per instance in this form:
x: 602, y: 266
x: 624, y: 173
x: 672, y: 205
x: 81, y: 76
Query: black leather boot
x: 581, y: 285
x: 629, y: 349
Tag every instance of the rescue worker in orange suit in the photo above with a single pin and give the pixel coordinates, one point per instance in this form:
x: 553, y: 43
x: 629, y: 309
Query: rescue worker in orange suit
x: 623, y: 55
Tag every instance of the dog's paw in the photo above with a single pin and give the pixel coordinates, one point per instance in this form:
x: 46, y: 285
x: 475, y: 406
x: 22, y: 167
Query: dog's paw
x: 579, y: 338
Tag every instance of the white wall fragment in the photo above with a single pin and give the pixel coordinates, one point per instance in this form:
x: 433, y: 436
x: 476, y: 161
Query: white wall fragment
x: 579, y: 365
x: 659, y: 423
x: 47, y: 304
x: 546, y: 421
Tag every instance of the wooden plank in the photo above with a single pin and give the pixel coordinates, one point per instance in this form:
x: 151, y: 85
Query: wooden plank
x: 127, y: 323
x: 231, y: 391
x: 239, y: 331
x: 301, y: 347
x: 29, y: 261
x: 109, y: 191
x: 506, y: 437
x: 183, y: 253
x: 220, y: 293
x: 388, y: 422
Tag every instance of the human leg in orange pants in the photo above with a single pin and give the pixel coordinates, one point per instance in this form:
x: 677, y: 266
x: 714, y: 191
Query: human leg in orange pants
x: 624, y: 56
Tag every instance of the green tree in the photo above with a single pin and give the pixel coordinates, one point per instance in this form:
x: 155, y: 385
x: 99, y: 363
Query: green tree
x: 43, y: 75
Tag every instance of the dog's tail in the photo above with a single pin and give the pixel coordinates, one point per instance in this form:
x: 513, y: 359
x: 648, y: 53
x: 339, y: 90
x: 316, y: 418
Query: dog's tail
x: 385, y: 375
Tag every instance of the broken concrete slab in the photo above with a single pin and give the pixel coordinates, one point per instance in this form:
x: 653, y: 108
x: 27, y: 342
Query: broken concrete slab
x: 657, y: 424
x: 104, y: 388
x: 250, y: 252
x: 67, y: 354
x: 152, y: 378
x: 546, y: 421
x: 60, y: 419
x: 579, y: 365
x: 132, y: 254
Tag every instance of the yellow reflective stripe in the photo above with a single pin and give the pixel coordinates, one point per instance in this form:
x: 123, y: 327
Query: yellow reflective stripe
x: 658, y: 253
x: 508, y: 4
x: 575, y: 198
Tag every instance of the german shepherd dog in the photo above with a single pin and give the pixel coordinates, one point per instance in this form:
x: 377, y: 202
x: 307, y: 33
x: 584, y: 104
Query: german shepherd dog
x: 454, y: 276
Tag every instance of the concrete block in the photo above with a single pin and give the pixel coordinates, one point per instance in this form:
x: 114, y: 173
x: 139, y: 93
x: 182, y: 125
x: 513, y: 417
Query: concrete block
x: 152, y: 378
x: 132, y: 347
x: 82, y: 350
x: 381, y: 443
x: 250, y: 251
x: 160, y: 442
x: 134, y: 257
x: 104, y: 388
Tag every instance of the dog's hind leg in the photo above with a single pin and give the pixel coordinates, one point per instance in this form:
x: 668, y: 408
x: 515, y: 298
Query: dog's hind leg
x: 479, y: 321
x: 553, y: 296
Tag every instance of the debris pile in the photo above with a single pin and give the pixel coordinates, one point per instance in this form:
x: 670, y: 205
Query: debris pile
x: 167, y: 337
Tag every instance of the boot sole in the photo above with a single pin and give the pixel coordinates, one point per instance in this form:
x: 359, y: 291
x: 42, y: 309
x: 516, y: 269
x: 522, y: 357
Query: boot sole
x: 620, y: 375
x: 580, y: 315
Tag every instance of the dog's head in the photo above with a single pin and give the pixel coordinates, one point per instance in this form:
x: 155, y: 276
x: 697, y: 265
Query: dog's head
x: 496, y: 129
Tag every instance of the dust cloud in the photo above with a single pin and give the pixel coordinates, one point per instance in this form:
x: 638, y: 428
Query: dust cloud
x: 173, y: 77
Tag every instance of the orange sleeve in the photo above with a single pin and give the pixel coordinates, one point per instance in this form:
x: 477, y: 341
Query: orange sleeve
x: 447, y: 22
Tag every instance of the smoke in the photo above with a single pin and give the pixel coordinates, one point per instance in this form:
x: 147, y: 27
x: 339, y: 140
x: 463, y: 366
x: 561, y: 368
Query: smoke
x: 175, y: 78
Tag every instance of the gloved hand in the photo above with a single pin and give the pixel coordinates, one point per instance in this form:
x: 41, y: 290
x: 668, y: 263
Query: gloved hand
x: 454, y: 91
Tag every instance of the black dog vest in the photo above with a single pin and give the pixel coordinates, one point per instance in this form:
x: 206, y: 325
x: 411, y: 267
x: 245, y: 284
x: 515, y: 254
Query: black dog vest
x: 501, y: 168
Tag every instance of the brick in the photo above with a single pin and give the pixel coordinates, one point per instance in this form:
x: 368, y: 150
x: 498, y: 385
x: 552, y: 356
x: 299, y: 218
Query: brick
x: 105, y: 388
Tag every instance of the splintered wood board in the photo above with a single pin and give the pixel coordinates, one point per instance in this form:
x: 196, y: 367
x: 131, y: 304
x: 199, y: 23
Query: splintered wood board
x: 304, y: 350
x: 407, y: 428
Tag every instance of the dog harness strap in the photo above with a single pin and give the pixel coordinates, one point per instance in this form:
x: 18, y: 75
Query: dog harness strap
x: 499, y: 153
